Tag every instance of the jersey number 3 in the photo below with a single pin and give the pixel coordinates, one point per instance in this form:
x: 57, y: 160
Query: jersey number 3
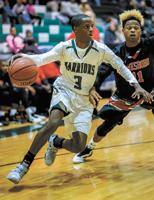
x: 78, y: 82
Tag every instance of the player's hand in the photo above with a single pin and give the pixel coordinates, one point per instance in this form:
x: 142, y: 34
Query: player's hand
x: 94, y: 97
x: 139, y: 91
x: 152, y: 93
x: 13, y: 58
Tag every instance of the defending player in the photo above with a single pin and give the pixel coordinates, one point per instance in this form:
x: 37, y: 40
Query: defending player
x: 137, y: 54
x: 79, y: 59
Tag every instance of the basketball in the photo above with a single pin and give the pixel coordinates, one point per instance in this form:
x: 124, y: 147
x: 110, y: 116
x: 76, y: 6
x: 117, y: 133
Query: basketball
x: 23, y: 72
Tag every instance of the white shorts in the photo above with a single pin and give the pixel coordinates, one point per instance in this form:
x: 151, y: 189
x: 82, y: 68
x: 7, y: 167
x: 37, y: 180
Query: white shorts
x: 78, y: 106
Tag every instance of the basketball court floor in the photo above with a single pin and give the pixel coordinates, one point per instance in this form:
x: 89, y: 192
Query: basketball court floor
x: 121, y: 168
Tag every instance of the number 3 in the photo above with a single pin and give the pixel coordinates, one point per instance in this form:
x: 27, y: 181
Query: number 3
x: 78, y: 82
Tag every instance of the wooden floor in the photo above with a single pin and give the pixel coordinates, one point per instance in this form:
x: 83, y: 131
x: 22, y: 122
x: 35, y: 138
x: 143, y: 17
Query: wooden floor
x: 121, y: 168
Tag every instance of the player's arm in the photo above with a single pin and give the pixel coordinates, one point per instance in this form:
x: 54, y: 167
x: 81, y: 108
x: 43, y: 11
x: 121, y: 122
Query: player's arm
x: 103, y: 72
x: 118, y: 65
x: 44, y: 58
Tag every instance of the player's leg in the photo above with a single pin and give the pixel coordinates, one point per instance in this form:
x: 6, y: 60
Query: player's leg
x: 148, y: 106
x: 75, y: 145
x: 112, y: 117
x: 40, y: 139
x: 80, y: 124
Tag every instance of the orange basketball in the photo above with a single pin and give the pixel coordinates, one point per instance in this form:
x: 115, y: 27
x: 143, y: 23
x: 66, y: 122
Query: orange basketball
x: 23, y: 72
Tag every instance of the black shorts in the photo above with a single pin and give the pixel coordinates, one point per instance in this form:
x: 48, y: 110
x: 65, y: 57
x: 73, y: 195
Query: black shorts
x: 109, y: 112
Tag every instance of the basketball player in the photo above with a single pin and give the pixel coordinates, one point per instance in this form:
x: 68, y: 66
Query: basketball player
x: 79, y: 59
x: 137, y: 54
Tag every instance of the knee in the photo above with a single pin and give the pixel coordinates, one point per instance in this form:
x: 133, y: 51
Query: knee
x: 51, y: 124
x: 78, y: 142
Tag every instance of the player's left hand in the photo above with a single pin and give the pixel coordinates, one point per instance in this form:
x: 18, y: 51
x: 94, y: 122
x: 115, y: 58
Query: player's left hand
x: 94, y: 97
x: 139, y: 91
x: 152, y: 93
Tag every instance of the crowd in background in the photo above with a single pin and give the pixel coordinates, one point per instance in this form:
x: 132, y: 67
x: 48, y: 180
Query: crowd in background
x: 23, y: 103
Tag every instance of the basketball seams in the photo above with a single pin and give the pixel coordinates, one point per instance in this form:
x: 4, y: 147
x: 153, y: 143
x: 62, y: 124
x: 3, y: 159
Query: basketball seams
x: 21, y: 69
x: 23, y: 72
x: 25, y: 79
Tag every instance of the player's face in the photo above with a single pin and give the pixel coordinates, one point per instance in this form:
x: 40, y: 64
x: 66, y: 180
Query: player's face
x: 85, y: 30
x: 132, y: 31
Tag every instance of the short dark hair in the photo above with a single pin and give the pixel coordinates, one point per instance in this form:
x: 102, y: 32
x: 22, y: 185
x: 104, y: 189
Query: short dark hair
x: 77, y: 20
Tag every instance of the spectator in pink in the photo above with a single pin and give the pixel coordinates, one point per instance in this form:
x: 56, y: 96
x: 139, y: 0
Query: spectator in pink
x: 32, y: 13
x: 14, y: 41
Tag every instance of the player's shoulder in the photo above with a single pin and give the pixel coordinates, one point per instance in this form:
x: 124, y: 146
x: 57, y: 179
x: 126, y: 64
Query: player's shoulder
x: 148, y: 41
x: 66, y: 44
x: 119, y: 48
x: 100, y: 46
x: 63, y: 45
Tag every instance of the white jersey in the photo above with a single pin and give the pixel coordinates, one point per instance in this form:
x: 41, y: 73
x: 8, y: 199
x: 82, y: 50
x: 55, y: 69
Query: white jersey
x: 79, y: 66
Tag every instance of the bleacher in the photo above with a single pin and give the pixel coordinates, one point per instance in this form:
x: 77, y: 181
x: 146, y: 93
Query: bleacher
x: 47, y: 35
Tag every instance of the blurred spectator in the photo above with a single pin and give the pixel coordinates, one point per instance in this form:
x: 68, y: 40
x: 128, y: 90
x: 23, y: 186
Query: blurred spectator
x: 53, y: 6
x: 110, y: 38
x: 119, y: 34
x: 24, y: 96
x: 98, y: 2
x: 20, y: 10
x: 14, y: 41
x: 96, y: 33
x: 124, y: 4
x: 145, y: 9
x: 8, y: 13
x: 54, y: 13
x: 87, y: 10
x: 30, y: 44
x: 4, y: 86
x: 4, y: 18
x: 53, y: 9
x: 32, y: 13
x: 69, y: 9
x: 133, y: 4
x: 29, y: 37
x: 43, y: 89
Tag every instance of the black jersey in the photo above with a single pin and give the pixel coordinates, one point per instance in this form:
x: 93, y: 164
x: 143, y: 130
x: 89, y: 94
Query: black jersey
x: 140, y: 61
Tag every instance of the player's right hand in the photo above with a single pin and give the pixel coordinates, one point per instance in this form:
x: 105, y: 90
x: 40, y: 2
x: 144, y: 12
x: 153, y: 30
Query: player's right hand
x: 139, y: 91
x: 13, y: 58
x: 94, y: 97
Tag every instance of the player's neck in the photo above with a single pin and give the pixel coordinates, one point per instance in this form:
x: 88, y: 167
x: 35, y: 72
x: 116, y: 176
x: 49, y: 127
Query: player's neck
x: 82, y: 44
x: 132, y: 43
